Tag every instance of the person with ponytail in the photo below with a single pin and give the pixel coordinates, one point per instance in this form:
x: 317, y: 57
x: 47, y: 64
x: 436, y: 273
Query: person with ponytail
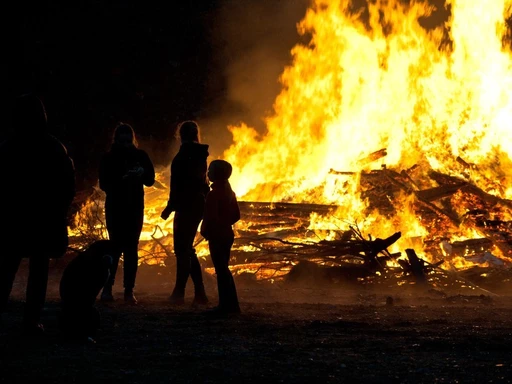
x: 187, y: 197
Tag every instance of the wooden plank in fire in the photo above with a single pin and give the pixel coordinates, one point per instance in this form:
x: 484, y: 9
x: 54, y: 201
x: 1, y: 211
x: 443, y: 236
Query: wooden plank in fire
x: 406, y: 188
x: 439, y: 192
x: 265, y: 217
x: 473, y: 245
x: 253, y: 207
x: 374, y: 156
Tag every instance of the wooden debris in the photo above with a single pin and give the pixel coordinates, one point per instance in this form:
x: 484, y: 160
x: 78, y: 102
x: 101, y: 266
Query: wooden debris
x: 417, y: 266
x: 374, y: 156
x: 439, y: 192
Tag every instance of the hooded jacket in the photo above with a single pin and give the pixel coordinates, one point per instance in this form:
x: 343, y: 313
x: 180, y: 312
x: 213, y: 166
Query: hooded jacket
x: 220, y: 213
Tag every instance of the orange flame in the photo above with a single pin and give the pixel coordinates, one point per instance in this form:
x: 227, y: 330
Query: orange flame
x: 356, y: 88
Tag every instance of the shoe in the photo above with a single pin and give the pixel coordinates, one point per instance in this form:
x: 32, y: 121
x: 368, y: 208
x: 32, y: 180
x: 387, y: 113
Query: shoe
x: 106, y: 295
x: 200, y: 300
x: 129, y: 297
x: 222, y: 312
x: 33, y: 330
x: 176, y: 300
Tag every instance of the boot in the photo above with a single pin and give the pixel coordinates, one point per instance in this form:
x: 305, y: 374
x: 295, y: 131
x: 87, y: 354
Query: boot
x: 177, y: 297
x: 200, y: 297
x: 129, y: 297
x: 182, y: 273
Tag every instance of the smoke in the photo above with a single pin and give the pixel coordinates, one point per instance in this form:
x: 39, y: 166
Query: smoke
x: 251, y: 43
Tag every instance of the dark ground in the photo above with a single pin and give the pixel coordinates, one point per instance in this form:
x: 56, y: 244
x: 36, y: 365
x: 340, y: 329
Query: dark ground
x: 285, y: 334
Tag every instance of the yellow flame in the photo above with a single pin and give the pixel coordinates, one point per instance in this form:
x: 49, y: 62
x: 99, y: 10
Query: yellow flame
x: 367, y: 81
x: 356, y: 88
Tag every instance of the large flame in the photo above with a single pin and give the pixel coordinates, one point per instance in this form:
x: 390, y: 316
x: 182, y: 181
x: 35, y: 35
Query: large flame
x: 370, y: 79
x: 384, y: 82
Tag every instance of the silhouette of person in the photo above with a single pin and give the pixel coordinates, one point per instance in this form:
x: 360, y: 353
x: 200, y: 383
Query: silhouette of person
x: 187, y: 196
x: 124, y: 171
x: 81, y: 282
x: 220, y: 213
x: 37, y: 190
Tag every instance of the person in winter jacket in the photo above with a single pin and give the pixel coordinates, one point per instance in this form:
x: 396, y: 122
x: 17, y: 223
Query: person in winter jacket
x: 187, y: 196
x: 37, y: 190
x: 220, y: 213
x: 124, y: 171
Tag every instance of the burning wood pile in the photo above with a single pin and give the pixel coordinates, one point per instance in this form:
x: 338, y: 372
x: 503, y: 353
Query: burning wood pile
x: 429, y: 84
x: 278, y: 241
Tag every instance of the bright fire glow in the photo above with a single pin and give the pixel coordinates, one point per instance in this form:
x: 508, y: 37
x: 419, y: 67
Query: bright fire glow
x: 373, y: 80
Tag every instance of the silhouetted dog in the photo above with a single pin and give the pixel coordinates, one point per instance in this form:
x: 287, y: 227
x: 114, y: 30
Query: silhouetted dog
x: 81, y: 282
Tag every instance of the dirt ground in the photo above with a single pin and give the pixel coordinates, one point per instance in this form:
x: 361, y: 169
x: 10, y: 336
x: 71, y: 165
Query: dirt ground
x: 286, y: 333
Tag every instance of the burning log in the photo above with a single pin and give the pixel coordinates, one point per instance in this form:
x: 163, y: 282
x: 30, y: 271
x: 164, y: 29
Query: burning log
x: 416, y: 266
x: 439, y: 192
x: 471, y: 245
x: 374, y: 156
x: 440, y: 212
x: 465, y: 164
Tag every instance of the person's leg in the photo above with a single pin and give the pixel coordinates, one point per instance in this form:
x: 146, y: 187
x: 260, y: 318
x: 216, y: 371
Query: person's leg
x: 114, y: 228
x: 36, y: 289
x: 8, y: 271
x: 183, y: 235
x: 220, y: 253
x: 131, y: 262
x: 133, y: 228
x: 106, y: 294
x: 196, y: 274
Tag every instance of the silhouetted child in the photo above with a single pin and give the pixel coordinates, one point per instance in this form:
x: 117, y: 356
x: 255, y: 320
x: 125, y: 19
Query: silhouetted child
x: 81, y: 282
x: 221, y: 212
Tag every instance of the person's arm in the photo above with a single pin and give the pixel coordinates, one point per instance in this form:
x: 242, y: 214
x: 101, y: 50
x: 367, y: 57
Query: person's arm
x: 210, y: 216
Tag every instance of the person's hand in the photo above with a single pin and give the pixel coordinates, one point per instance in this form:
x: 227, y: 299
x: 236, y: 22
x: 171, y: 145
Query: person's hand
x: 134, y: 172
x: 137, y: 171
x: 165, y: 213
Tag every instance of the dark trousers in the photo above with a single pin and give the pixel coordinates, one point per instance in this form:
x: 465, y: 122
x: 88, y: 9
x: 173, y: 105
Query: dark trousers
x: 129, y: 249
x: 220, y: 250
x: 36, y: 285
x: 185, y: 229
x: 124, y: 225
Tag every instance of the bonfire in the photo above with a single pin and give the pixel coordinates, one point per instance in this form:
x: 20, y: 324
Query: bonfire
x: 388, y: 153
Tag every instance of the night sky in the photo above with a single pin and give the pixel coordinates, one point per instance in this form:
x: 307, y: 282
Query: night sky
x: 151, y: 64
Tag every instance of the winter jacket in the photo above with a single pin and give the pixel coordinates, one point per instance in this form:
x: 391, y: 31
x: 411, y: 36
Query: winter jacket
x: 220, y: 213
x: 188, y: 178
x: 125, y: 191
x: 38, y: 186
